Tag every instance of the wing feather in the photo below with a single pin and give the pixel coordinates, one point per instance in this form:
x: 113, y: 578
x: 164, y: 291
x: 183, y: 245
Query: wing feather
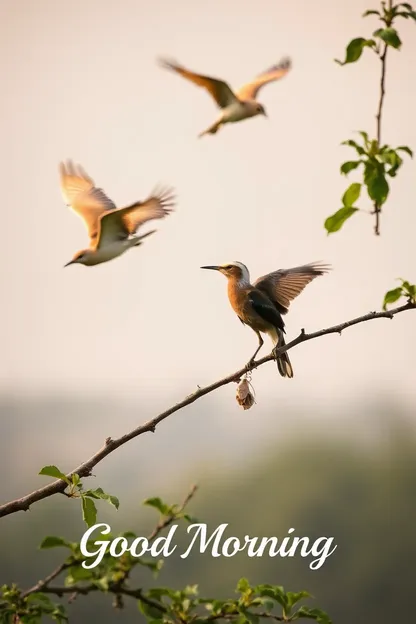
x: 122, y: 223
x: 250, y: 90
x: 218, y: 89
x: 284, y: 285
x: 80, y: 194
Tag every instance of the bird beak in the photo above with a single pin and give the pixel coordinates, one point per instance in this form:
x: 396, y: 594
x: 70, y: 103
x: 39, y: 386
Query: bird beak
x: 265, y: 114
x: 68, y: 263
x: 214, y: 268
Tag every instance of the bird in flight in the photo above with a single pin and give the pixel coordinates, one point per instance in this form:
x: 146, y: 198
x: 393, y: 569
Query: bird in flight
x: 260, y: 305
x: 235, y: 106
x: 111, y: 229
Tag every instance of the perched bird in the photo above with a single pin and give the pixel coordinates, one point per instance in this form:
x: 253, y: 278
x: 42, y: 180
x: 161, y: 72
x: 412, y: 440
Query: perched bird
x: 234, y: 106
x: 261, y: 305
x: 111, y: 230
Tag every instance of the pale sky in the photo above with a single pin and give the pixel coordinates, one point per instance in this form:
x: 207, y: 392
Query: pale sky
x: 80, y: 80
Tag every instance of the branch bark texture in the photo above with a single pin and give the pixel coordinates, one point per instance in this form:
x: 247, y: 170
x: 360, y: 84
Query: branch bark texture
x: 110, y: 444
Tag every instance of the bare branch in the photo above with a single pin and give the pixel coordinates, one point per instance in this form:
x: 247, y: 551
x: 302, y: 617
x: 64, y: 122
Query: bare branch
x: 110, y: 445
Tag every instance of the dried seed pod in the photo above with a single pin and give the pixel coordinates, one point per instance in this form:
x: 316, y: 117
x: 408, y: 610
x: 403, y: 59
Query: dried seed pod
x: 245, y: 394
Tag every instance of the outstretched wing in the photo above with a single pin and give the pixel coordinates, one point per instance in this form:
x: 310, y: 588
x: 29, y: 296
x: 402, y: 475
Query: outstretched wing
x: 220, y: 90
x: 284, y: 285
x: 80, y: 194
x: 120, y: 224
x: 249, y: 91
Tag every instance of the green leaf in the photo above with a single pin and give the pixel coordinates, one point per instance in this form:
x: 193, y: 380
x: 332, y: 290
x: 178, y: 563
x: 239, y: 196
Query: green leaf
x: 314, y: 614
x: 294, y: 597
x: 89, y: 511
x: 371, y: 12
x: 392, y: 296
x: 365, y: 136
x: 77, y: 573
x: 355, y: 49
x: 158, y: 504
x: 337, y: 220
x: 150, y: 611
x: 252, y: 618
x: 348, y: 166
x: 389, y: 36
x: 53, y: 471
x: 75, y: 479
x: 52, y: 541
x: 360, y: 150
x: 375, y: 180
x: 190, y: 519
x: 351, y: 194
x: 405, y: 148
x: 155, y: 566
x: 243, y: 585
x: 99, y: 493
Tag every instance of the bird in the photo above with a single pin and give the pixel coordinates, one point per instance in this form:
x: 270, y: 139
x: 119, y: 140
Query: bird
x: 238, y: 105
x: 261, y: 305
x: 111, y: 229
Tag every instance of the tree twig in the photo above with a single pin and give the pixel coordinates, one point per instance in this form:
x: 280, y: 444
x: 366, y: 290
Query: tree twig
x: 42, y: 584
x: 383, y: 59
x: 110, y: 445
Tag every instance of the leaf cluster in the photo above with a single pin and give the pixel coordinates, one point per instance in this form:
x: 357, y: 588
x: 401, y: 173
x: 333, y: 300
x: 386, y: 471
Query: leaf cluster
x: 377, y: 163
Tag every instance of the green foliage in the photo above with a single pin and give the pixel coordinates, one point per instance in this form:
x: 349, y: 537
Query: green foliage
x: 158, y: 604
x: 379, y: 161
x: 76, y: 490
x: 53, y: 471
x: 405, y: 290
x: 355, y: 49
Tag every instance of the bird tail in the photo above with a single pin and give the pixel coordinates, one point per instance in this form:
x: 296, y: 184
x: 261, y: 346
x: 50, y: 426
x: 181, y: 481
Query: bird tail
x: 283, y: 362
x: 212, y: 129
x: 138, y: 239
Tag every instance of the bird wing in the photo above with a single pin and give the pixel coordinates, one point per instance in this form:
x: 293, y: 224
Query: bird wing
x: 220, y: 90
x: 284, y: 285
x: 119, y: 224
x: 85, y: 199
x: 261, y: 304
x: 249, y: 91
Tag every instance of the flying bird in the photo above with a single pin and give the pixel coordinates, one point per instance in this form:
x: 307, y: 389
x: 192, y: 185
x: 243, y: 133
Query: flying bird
x: 235, y: 106
x: 111, y: 229
x: 260, y: 305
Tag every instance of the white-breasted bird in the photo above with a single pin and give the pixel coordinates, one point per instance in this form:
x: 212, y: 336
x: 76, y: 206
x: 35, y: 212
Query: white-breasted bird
x: 238, y: 105
x: 111, y: 229
x: 260, y: 305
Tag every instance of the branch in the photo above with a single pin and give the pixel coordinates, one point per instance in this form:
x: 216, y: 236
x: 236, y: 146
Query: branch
x: 42, y: 585
x: 110, y: 445
x: 383, y: 59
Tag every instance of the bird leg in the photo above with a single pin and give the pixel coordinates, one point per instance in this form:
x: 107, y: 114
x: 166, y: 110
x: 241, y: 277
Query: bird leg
x: 261, y: 343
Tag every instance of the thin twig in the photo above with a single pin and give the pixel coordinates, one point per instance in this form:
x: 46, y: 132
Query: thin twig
x: 42, y: 584
x: 162, y: 524
x: 110, y: 445
x: 383, y: 59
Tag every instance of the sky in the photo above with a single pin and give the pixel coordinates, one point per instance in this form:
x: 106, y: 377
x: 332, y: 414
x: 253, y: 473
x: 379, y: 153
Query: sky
x: 81, y: 81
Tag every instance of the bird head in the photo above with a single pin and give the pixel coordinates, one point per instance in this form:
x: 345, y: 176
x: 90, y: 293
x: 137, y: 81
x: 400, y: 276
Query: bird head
x: 233, y: 270
x: 81, y: 257
x: 260, y: 110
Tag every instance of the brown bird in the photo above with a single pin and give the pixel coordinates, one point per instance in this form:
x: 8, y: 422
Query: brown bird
x: 261, y: 305
x: 235, y: 106
x: 111, y: 229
